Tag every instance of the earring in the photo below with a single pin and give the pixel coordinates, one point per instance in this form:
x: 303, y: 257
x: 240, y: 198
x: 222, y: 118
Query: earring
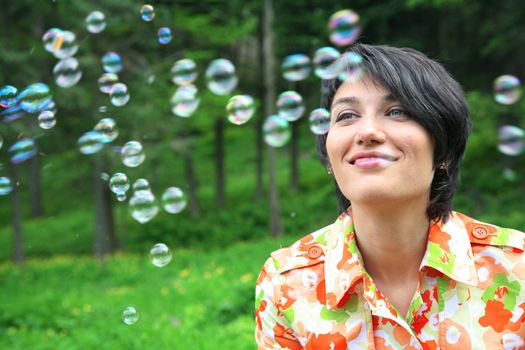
x: 329, y: 169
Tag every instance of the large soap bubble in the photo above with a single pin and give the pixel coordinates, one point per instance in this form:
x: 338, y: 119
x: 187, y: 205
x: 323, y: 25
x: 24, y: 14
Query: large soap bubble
x: 173, y: 200
x: 290, y: 106
x: 160, y: 255
x: 240, y: 109
x: 65, y: 44
x: 22, y: 150
x: 324, y: 59
x: 507, y: 89
x: 185, y: 101
x: 220, y: 76
x: 319, y: 121
x: 344, y: 27
x: 8, y: 96
x: 35, y: 98
x: 90, y: 142
x: 184, y: 72
x: 276, y: 131
x: 111, y: 62
x: 96, y: 22
x: 296, y: 67
x: 119, y: 94
x: 67, y: 72
x: 511, y: 140
x: 143, y: 207
x: 132, y: 154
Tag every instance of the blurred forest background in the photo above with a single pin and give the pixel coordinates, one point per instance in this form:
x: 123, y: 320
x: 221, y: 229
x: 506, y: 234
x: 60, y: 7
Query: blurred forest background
x: 72, y: 258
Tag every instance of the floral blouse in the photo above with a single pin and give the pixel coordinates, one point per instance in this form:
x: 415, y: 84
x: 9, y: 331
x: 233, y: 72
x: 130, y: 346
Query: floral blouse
x: 316, y: 294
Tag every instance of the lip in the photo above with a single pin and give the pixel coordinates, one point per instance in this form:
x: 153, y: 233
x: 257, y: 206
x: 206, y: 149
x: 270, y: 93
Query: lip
x: 370, y: 159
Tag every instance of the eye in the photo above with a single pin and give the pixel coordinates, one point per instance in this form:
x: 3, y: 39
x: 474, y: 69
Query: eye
x: 397, y: 113
x: 347, y: 115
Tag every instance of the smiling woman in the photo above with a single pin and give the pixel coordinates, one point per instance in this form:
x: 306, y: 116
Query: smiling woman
x: 399, y: 268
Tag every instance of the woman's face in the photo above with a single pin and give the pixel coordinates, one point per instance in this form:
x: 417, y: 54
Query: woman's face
x: 378, y: 154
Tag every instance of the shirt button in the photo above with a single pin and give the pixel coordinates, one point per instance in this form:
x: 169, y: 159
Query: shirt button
x: 314, y: 252
x: 480, y: 232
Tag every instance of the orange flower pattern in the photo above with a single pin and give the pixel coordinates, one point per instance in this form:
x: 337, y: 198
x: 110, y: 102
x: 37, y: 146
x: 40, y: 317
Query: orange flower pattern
x: 316, y: 294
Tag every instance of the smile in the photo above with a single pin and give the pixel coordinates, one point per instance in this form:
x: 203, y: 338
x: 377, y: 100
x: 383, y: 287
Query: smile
x: 367, y: 160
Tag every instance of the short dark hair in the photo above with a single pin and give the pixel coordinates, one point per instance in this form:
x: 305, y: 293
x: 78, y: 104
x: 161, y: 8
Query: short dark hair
x: 432, y: 97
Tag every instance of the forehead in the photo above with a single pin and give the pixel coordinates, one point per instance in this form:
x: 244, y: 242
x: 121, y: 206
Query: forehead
x: 360, y: 91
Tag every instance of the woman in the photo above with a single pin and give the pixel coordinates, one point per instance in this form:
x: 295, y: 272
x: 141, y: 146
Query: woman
x: 398, y: 269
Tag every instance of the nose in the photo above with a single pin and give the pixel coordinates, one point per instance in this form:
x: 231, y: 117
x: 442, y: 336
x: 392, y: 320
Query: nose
x: 370, y: 131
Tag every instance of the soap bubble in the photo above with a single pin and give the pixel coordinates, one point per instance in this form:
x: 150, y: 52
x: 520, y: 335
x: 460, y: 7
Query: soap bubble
x: 173, y: 200
x: 184, y: 72
x: 106, y: 82
x: 96, y: 22
x: 164, y: 35
x: 319, y: 121
x: 509, y: 174
x: 276, y: 131
x: 5, y: 186
x: 111, y: 62
x: 119, y: 95
x: 47, y: 120
x: 119, y: 183
x: 240, y: 109
x: 130, y: 315
x: 108, y: 129
x: 296, y: 67
x: 121, y: 197
x: 52, y: 39
x: 64, y: 45
x: 220, y: 76
x: 35, y: 98
x: 8, y: 96
x: 67, y: 72
x: 143, y: 207
x: 185, y: 101
x: 132, y: 154
x: 507, y: 89
x: 344, y: 27
x: 290, y: 106
x: 22, y: 150
x: 140, y: 186
x: 324, y: 59
x: 147, y: 13
x: 160, y: 255
x: 350, y: 67
x: 11, y: 114
x: 102, y: 109
x: 90, y: 142
x: 511, y: 140
x: 1, y: 143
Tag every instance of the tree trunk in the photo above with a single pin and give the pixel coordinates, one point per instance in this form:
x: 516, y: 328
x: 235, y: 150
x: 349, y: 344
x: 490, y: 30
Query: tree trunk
x: 219, y: 162
x: 269, y: 102
x: 192, y: 184
x: 259, y: 119
x: 18, y: 241
x: 34, y: 186
x: 105, y: 238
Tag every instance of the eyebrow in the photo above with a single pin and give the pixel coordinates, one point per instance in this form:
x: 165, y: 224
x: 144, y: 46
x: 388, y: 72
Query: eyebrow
x: 351, y: 100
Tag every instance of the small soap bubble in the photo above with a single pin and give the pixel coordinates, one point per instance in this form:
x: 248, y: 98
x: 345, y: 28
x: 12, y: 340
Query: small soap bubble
x: 344, y: 27
x: 220, y: 76
x: 106, y: 82
x: 324, y: 59
x: 90, y: 142
x: 67, y: 72
x: 119, y: 95
x: 5, y: 186
x: 108, y: 129
x: 96, y: 22
x: 143, y: 207
x: 46, y: 120
x: 140, y: 186
x: 509, y: 174
x: 296, y: 67
x: 52, y: 39
x: 173, y: 200
x: 184, y: 72
x: 290, y: 106
x: 160, y: 255
x: 35, y: 98
x: 104, y: 176
x: 65, y: 45
x: 111, y: 62
x: 511, y: 140
x: 132, y: 154
x: 8, y: 96
x: 147, y: 13
x: 22, y: 150
x: 507, y: 89
x: 276, y: 131
x: 164, y: 35
x: 119, y: 183
x: 151, y: 79
x: 102, y: 109
x: 185, y: 101
x: 12, y: 114
x: 130, y: 316
x: 121, y: 197
x: 350, y: 67
x: 319, y: 121
x: 240, y: 109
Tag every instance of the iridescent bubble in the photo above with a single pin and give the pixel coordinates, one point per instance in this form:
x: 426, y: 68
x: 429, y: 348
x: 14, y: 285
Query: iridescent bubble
x: 22, y: 150
x: 8, y: 96
x: 111, y: 62
x: 65, y: 44
x: 507, y: 89
x: 90, y: 142
x: 147, y: 13
x: 184, y: 72
x: 67, y: 72
x: 511, y: 140
x: 47, y: 120
x: 11, y: 114
x: 173, y: 200
x: 290, y: 106
x: 132, y: 154
x: 52, y: 39
x: 164, y: 35
x: 106, y: 82
x: 121, y: 197
x: 220, y: 76
x: 240, y: 109
x: 296, y: 67
x: 324, y: 59
x: 160, y: 255
x: 143, y: 207
x: 140, y: 186
x: 35, y: 98
x: 344, y: 27
x: 119, y: 95
x: 276, y: 131
x: 350, y: 67
x: 119, y: 183
x: 319, y: 121
x: 108, y: 129
x: 130, y: 315
x: 96, y: 22
x: 5, y: 186
x: 185, y: 101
